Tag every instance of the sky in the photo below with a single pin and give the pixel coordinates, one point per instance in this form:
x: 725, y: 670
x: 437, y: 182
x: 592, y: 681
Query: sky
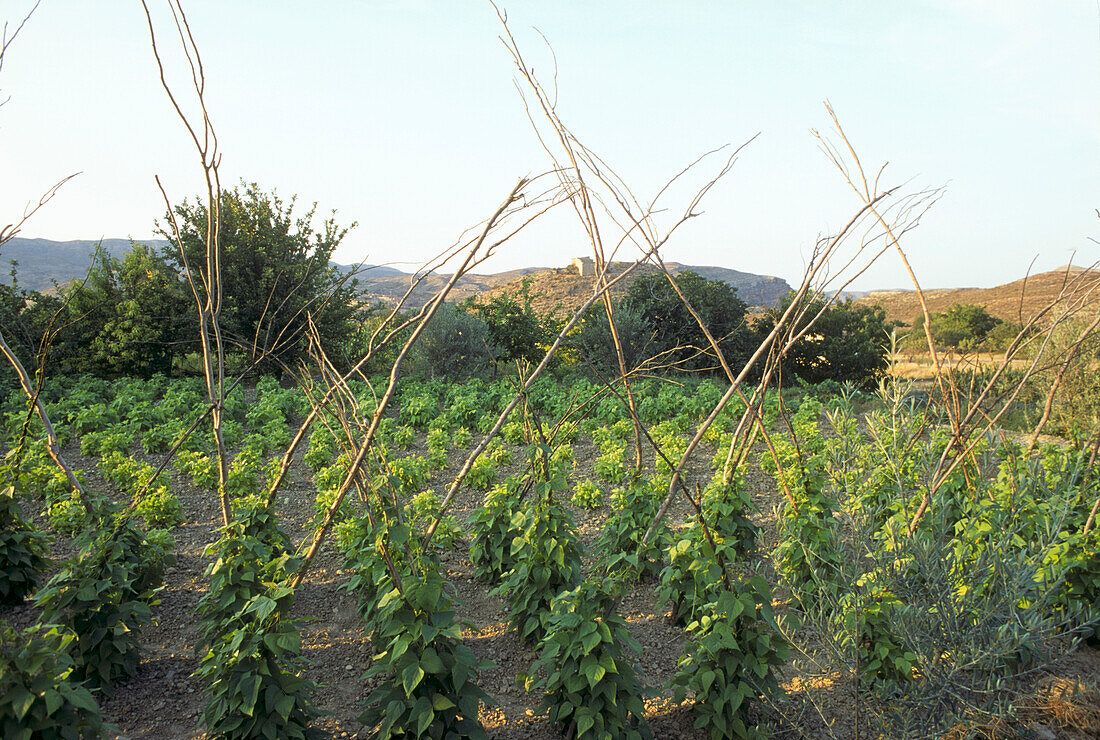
x: 404, y: 118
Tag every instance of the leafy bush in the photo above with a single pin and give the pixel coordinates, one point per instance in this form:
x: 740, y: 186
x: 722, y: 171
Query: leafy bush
x: 493, y: 526
x: 620, y: 542
x: 22, y: 551
x: 428, y: 677
x: 322, y: 448
x: 587, y: 495
x: 103, y: 596
x: 547, y: 561
x: 252, y: 667
x: 38, y: 696
x: 461, y: 437
x: 866, y: 624
x: 422, y: 510
x: 588, y: 683
x: 482, y: 475
x: 728, y: 665
x: 609, y: 466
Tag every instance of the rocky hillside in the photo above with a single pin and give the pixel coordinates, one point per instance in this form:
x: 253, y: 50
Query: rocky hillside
x: 1017, y: 301
x: 564, y: 290
x: 43, y: 262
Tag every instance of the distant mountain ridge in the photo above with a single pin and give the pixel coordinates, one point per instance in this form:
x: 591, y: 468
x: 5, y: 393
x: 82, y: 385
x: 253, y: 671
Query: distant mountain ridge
x: 1017, y: 301
x: 43, y: 262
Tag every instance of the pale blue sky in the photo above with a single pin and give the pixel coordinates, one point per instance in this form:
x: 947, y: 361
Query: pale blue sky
x: 403, y: 117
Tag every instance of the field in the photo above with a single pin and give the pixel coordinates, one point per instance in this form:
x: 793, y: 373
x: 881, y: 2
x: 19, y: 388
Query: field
x: 1010, y: 659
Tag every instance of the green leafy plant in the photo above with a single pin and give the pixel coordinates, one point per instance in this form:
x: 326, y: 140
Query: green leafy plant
x: 493, y: 526
x: 22, y: 551
x: 103, y: 595
x: 428, y: 677
x: 730, y: 660
x: 865, y: 621
x: 252, y: 668
x: 461, y: 437
x: 482, y: 475
x: 547, y: 560
x: 620, y: 542
x: 422, y: 510
x: 590, y: 687
x: 39, y: 697
x: 587, y: 495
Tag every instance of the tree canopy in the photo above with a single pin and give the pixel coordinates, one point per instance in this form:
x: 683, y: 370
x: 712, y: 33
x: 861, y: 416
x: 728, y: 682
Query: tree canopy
x: 275, y: 271
x: 675, y: 332
x: 847, y: 342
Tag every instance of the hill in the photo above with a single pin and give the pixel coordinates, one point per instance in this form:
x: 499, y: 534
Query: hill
x: 1017, y: 301
x: 563, y: 289
x: 42, y: 262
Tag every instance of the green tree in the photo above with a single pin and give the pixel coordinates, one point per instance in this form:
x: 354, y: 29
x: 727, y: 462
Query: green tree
x: 676, y: 332
x: 847, y: 342
x: 275, y: 270
x: 128, y: 316
x: 515, y: 330
x: 963, y: 326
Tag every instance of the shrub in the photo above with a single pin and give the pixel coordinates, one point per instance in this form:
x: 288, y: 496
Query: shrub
x: 103, y: 596
x: 588, y: 683
x: 620, y: 542
x: 482, y: 475
x: 547, y: 561
x: 587, y: 495
x: 423, y: 509
x: 729, y: 662
x: 22, y: 551
x: 428, y: 677
x: 493, y: 526
x: 38, y: 696
x: 252, y: 667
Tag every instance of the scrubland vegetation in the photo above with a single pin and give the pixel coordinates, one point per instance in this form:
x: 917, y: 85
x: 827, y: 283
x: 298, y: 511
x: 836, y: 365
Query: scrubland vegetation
x: 650, y: 517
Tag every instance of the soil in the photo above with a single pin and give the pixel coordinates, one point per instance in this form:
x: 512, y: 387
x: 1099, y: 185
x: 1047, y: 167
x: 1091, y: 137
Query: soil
x: 165, y: 701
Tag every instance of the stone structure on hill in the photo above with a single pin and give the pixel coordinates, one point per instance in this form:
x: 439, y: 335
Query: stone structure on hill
x: 584, y: 265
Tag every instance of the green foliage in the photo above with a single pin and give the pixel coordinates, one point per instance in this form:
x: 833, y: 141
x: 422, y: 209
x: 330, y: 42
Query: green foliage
x: 597, y: 344
x: 620, y: 542
x: 610, y: 467
x: 587, y: 681
x: 419, y: 410
x: 103, y: 596
x: 547, y: 561
x: 515, y: 330
x: 461, y: 437
x: 39, y: 697
x: 252, y: 667
x: 734, y: 647
x: 428, y: 677
x: 281, y: 271
x: 848, y: 341
x: 321, y: 450
x: 694, y: 575
x: 867, y: 617
x: 423, y: 509
x: 130, y: 316
x: 962, y: 326
x: 807, y: 556
x: 587, y: 495
x: 726, y: 509
x: 455, y: 344
x: 482, y: 475
x: 675, y: 331
x: 22, y: 551
x: 493, y: 527
x: 200, y: 467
